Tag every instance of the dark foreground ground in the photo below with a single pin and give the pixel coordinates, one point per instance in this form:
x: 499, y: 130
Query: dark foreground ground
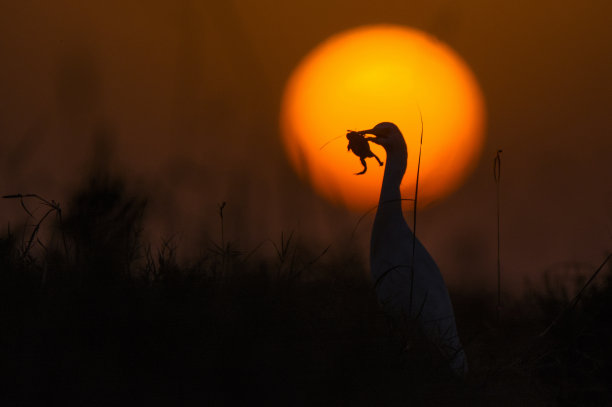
x: 90, y: 316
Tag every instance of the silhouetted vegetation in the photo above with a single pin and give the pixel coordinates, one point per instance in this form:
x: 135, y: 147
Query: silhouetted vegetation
x: 93, y: 315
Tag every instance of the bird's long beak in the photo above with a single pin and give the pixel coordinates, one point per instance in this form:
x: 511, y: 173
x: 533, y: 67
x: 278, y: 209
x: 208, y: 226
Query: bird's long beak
x: 372, y: 139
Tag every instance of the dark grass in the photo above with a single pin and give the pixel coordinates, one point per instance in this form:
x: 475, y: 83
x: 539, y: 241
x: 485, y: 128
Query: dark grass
x: 93, y: 316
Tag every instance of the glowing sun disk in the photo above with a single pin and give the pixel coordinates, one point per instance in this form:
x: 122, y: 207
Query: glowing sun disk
x: 372, y: 74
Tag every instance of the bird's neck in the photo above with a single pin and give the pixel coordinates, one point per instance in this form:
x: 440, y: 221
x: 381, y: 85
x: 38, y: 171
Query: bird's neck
x: 395, y: 168
x: 389, y: 227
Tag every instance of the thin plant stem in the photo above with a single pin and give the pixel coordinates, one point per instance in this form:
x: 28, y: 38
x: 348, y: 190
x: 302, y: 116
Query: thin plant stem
x: 221, y: 207
x: 362, y: 217
x: 53, y: 207
x: 572, y: 304
x: 497, y: 178
x: 224, y: 250
x: 414, y: 223
x: 335, y: 138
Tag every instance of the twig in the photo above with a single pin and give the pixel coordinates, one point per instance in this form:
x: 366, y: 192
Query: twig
x: 35, y: 231
x: 284, y: 246
x: 362, y: 217
x: 254, y: 250
x: 335, y: 138
x: 312, y: 262
x: 53, y: 207
x: 221, y: 207
x: 572, y: 304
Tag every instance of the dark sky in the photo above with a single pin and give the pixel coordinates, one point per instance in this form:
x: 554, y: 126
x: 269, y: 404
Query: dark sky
x: 187, y: 95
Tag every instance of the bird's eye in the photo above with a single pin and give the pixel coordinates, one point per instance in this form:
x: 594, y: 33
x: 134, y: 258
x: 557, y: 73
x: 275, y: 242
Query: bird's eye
x: 382, y: 132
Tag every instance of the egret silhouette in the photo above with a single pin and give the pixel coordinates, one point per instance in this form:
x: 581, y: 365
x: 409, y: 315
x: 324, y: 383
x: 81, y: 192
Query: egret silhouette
x: 409, y: 289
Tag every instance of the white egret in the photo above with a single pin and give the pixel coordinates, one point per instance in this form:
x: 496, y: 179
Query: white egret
x: 410, y: 289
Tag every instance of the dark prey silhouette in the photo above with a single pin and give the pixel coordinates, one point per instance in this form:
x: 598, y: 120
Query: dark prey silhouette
x: 360, y: 146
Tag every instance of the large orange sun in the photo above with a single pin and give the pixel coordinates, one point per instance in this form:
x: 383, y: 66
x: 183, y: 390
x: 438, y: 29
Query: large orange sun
x: 372, y: 74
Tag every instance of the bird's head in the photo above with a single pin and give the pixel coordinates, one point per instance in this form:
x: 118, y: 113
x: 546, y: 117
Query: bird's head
x: 387, y: 135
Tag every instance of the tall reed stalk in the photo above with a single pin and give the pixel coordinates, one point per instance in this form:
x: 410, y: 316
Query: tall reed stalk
x: 497, y: 178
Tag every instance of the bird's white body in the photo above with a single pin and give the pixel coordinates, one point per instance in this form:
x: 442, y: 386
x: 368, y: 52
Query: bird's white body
x: 392, y: 265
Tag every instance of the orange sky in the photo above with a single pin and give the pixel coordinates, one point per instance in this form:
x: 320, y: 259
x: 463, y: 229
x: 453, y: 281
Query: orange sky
x: 189, y: 92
